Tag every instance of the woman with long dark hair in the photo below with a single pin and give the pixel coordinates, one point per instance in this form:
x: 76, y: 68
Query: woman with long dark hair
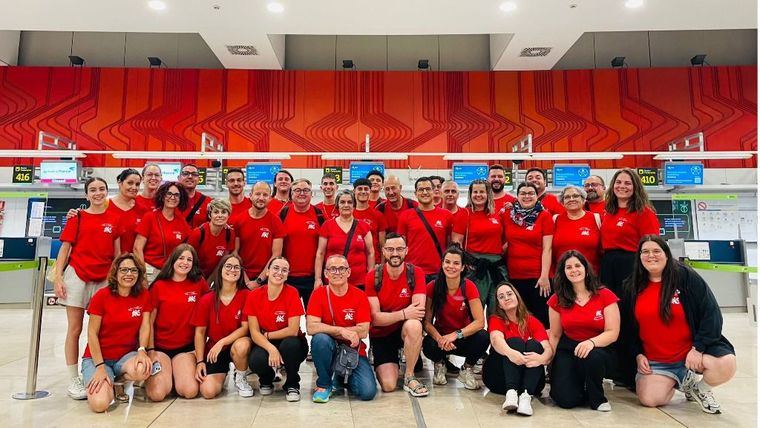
x: 584, y: 320
x: 174, y: 296
x: 221, y: 332
x: 519, y: 351
x: 454, y: 320
x: 124, y: 206
x: 676, y: 329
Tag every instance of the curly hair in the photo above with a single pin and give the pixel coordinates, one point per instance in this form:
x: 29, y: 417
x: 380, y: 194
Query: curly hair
x: 113, y: 281
x: 158, y: 200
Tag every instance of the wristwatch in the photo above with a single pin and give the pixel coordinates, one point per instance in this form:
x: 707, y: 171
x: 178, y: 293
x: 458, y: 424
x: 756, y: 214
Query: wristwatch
x: 260, y: 281
x: 142, y: 348
x: 460, y: 335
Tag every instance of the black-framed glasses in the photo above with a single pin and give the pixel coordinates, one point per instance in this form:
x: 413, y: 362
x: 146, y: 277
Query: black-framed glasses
x: 394, y: 249
x: 190, y: 174
x: 302, y: 191
x: 126, y: 270
x: 232, y: 268
x: 172, y: 195
x: 337, y: 270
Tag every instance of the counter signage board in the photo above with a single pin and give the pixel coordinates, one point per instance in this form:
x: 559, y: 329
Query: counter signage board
x: 565, y: 175
x: 361, y: 169
x: 464, y: 173
x: 684, y: 174
x: 264, y: 171
x: 23, y: 174
x: 336, y: 171
x: 648, y: 176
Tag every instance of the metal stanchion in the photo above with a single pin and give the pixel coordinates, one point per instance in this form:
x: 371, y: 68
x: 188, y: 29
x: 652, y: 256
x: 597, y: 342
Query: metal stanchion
x: 38, y: 297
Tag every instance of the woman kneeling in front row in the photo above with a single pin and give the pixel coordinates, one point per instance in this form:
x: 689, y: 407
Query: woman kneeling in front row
x: 519, y: 351
x: 583, y: 320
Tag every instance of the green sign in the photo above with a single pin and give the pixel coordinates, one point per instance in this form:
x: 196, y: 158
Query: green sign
x: 507, y: 177
x: 201, y: 176
x: 702, y: 197
x: 722, y: 267
x: 336, y: 171
x: 23, y: 174
x: 648, y: 176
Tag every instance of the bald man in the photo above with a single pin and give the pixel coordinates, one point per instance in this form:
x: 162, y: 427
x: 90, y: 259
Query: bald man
x: 394, y: 204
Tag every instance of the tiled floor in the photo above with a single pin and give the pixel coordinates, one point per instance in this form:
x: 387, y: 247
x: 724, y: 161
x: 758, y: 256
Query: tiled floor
x: 448, y: 406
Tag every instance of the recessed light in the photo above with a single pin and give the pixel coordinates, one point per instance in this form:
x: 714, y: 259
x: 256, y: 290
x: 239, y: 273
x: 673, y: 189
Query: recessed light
x: 508, y: 6
x: 633, y: 4
x: 275, y: 7
x: 156, y: 5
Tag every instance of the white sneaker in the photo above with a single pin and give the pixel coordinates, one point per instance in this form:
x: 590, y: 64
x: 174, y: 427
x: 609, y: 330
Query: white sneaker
x: 689, y: 385
x: 439, y: 376
x: 510, y: 402
x: 604, y: 407
x: 243, y: 387
x: 707, y: 401
x: 76, y: 389
x: 478, y: 367
x: 467, y: 377
x: 524, y: 408
x: 266, y: 389
x: 293, y: 395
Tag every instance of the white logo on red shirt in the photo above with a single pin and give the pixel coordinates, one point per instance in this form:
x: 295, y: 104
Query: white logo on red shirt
x: 530, y: 227
x: 107, y: 228
x: 620, y: 223
x: 494, y: 221
x: 598, y: 316
x: 585, y: 231
x: 279, y: 316
x: 439, y: 223
x: 178, y: 236
x: 464, y: 306
x: 676, y: 300
x: 219, y: 253
x: 136, y: 311
x: 404, y: 292
x: 264, y: 232
x: 348, y: 314
x: 359, y: 239
x: 191, y: 296
x: 310, y: 225
x: 239, y: 314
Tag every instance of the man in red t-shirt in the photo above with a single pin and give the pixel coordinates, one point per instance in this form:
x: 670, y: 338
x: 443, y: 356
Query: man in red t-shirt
x: 259, y: 236
x: 283, y: 180
x: 427, y: 230
x: 395, y: 204
x: 594, y: 187
x: 437, y: 195
x: 376, y: 178
x: 197, y: 203
x: 497, y: 177
x: 450, y: 192
x: 396, y: 292
x: 339, y: 314
x: 537, y: 177
x: 328, y: 206
x: 373, y: 218
x: 235, y: 181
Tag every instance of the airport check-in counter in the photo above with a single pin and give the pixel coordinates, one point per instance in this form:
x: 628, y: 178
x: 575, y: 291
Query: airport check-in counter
x: 18, y: 267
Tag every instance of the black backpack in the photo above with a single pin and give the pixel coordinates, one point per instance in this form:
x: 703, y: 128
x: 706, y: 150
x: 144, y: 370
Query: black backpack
x: 320, y: 215
x: 379, y: 269
x: 227, y: 235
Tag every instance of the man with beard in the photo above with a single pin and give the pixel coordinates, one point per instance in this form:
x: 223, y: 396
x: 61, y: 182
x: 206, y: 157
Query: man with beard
x: 259, y: 235
x: 594, y: 187
x: 396, y: 293
x: 537, y: 177
x: 395, y: 204
x: 496, y: 179
x: 328, y: 186
x: 281, y: 196
x: 376, y: 178
x: 369, y: 215
x: 235, y: 181
x: 197, y: 204
x: 437, y: 195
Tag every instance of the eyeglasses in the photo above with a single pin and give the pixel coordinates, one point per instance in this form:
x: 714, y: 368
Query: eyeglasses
x: 125, y: 271
x: 152, y: 174
x: 526, y: 194
x: 592, y: 185
x: 656, y: 252
x: 337, y: 270
x: 425, y: 189
x: 302, y: 191
x: 279, y: 269
x: 190, y: 174
x: 574, y: 196
x: 232, y: 268
x: 394, y: 249
x: 172, y: 195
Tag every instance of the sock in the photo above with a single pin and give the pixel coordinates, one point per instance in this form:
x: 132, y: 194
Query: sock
x: 240, y: 373
x: 703, y: 386
x: 73, y: 370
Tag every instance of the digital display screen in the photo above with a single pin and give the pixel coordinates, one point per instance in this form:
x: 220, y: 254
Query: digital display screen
x: 170, y: 170
x: 566, y: 175
x: 684, y: 174
x: 464, y: 173
x: 361, y: 169
x: 255, y: 172
x: 63, y: 172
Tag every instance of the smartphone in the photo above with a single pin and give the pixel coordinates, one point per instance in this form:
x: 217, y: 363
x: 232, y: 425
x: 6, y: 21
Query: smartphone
x: 155, y: 368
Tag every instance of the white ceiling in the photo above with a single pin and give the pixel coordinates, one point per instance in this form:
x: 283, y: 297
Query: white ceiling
x: 534, y: 23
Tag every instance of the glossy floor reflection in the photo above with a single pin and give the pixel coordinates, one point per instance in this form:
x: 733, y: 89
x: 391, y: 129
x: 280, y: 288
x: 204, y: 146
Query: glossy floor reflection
x: 447, y: 406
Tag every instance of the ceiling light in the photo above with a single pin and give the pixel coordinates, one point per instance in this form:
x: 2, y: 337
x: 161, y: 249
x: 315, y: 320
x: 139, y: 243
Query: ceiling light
x: 576, y: 156
x: 364, y: 156
x: 508, y: 6
x: 633, y: 4
x: 157, y: 5
x: 275, y: 7
x: 76, y: 60
x: 423, y: 64
x: 42, y: 154
x: 348, y: 64
x: 708, y: 155
x: 200, y: 155
x: 699, y: 60
x: 485, y: 156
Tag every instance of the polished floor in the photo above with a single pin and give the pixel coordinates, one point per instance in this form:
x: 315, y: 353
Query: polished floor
x: 447, y: 406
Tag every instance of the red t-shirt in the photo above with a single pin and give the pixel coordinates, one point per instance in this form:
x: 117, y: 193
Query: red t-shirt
x: 129, y: 220
x: 93, y: 249
x: 498, y: 204
x: 376, y: 222
x: 275, y: 205
x: 240, y: 208
x: 551, y: 203
x: 350, y: 309
x: 486, y: 231
x: 174, y: 303
x: 423, y: 251
x: 373, y: 204
x: 162, y: 235
x: 533, y: 328
x: 219, y: 326
x: 256, y: 238
x: 455, y: 313
x: 525, y: 245
x: 394, y: 295
x: 273, y: 315
x: 597, y: 207
x: 145, y: 204
x: 301, y: 240
x: 329, y: 211
x: 582, y: 235
x: 581, y: 323
x: 663, y: 342
x: 121, y: 317
x: 391, y: 215
x: 623, y: 230
x: 213, y: 248
x: 357, y: 255
x: 200, y: 215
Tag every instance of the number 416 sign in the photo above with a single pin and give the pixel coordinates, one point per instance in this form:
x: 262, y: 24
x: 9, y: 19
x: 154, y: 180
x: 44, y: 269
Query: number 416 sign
x: 23, y: 174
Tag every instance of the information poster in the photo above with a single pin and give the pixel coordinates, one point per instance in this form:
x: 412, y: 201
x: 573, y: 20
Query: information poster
x: 684, y: 174
x: 464, y: 173
x: 361, y: 169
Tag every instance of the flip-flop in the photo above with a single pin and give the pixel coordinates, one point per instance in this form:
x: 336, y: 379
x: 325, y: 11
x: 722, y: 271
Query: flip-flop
x: 418, y: 391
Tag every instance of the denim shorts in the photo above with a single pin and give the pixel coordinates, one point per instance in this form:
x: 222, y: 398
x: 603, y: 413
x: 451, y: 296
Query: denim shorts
x: 676, y: 371
x: 113, y: 368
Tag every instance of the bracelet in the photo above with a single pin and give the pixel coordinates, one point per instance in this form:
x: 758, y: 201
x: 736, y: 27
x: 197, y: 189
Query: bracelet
x: 99, y: 364
x: 150, y: 349
x: 266, y: 335
x: 198, y: 362
x: 403, y: 314
x: 592, y: 342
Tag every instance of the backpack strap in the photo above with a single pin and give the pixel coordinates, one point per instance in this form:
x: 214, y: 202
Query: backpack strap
x: 191, y: 214
x: 409, y: 203
x: 410, y: 276
x: 283, y: 213
x: 598, y: 220
x: 379, y: 277
x: 203, y: 236
x: 381, y: 206
x: 227, y: 235
x: 320, y: 216
x: 349, y: 239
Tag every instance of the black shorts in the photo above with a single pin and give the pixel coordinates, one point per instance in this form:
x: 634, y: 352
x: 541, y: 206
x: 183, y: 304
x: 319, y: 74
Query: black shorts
x: 222, y: 364
x: 174, y: 352
x: 385, y: 349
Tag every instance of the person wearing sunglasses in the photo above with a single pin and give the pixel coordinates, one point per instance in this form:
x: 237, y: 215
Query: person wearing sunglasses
x: 197, y: 203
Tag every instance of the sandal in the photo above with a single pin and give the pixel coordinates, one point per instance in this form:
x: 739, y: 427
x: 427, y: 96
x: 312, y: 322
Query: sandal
x: 420, y: 390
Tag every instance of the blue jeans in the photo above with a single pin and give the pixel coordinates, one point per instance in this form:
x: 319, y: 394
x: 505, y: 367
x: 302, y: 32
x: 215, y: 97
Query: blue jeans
x: 114, y: 368
x: 362, y: 381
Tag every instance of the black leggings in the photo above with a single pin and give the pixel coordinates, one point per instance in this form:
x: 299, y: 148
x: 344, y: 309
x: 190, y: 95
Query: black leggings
x: 533, y: 300
x: 293, y: 351
x: 304, y: 285
x: 471, y: 348
x: 617, y: 266
x: 500, y: 374
x: 574, y: 380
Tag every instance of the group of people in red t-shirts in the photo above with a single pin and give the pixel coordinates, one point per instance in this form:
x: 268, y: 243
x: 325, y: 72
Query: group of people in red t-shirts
x: 180, y: 286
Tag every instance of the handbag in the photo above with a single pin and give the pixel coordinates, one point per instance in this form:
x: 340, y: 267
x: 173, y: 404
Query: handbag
x: 346, y: 358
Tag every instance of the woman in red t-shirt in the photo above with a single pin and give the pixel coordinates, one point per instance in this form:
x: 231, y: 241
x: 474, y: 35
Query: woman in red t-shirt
x: 119, y: 323
x: 481, y: 234
x: 221, y: 331
x: 677, y: 329
x: 519, y: 351
x: 274, y: 315
x: 584, y: 320
x: 529, y: 230
x: 152, y: 177
x: 162, y: 229
x: 576, y: 229
x: 89, y: 242
x: 215, y: 238
x: 124, y: 206
x: 454, y: 320
x: 332, y: 240
x: 174, y: 296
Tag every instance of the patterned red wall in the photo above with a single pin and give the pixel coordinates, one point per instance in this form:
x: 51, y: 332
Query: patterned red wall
x: 297, y: 111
